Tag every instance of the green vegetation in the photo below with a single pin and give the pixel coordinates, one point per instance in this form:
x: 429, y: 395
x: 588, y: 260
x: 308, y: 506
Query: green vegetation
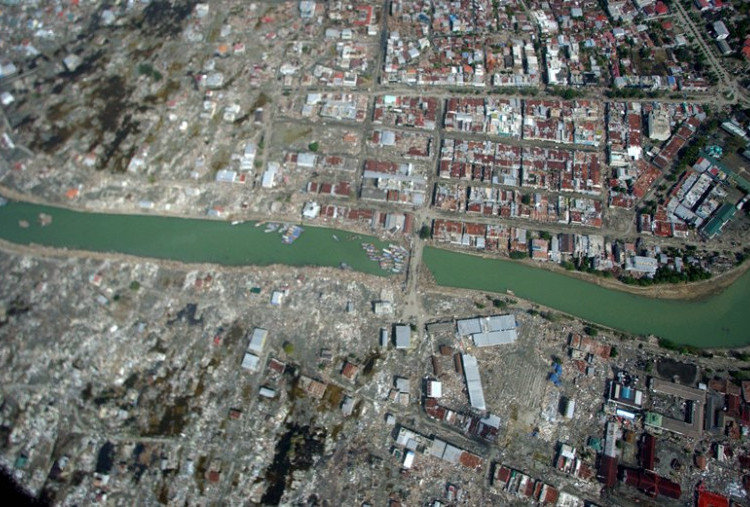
x: 288, y: 348
x: 625, y: 93
x: 518, y: 255
x: 566, y: 93
x: 613, y: 353
x: 313, y: 146
x: 425, y: 232
x: 742, y: 356
x: 682, y: 349
x: 135, y: 285
x: 499, y: 303
x: 591, y: 331
x: 550, y: 316
x: 545, y: 235
x: 146, y: 69
x: 664, y: 274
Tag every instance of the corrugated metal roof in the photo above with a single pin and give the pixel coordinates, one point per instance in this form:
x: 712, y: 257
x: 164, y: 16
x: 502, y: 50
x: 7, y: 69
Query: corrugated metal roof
x: 452, y: 453
x: 501, y: 322
x: 403, y: 337
x: 473, y: 382
x: 257, y: 340
x: 438, y: 448
x: 469, y: 326
x: 250, y: 361
x: 494, y: 338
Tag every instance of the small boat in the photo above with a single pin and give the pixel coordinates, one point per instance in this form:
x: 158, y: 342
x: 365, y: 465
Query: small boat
x: 23, y: 224
x: 45, y: 219
x: 3, y: 201
x: 335, y: 238
x: 291, y: 234
x: 236, y: 222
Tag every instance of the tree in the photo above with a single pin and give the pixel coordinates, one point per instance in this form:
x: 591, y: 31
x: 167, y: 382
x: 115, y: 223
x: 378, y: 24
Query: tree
x: 425, y: 232
x: 313, y: 146
x: 499, y: 303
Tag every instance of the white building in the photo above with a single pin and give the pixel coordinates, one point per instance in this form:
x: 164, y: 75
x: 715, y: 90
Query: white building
x: 250, y: 362
x: 402, y: 336
x: 257, y: 340
x: 720, y: 29
x: 473, y: 382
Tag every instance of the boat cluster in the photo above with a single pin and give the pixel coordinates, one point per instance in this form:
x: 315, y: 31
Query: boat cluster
x: 393, y: 258
x: 289, y: 232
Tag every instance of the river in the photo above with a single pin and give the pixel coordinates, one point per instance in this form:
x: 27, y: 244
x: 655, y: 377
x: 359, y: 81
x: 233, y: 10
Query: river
x: 183, y: 239
x: 718, y: 321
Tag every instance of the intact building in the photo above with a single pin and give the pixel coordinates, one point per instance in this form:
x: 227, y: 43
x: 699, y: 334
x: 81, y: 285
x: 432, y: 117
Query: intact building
x: 489, y: 331
x: 402, y: 336
x: 720, y: 29
x: 257, y: 340
x: 473, y: 382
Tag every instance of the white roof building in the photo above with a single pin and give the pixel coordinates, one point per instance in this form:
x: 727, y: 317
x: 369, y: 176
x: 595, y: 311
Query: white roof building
x: 311, y: 210
x: 642, y: 264
x: 409, y: 459
x: 306, y: 160
x: 473, y: 382
x: 257, y: 340
x: 250, y: 362
x: 403, y: 385
x: 267, y: 392
x: 226, y: 175
x: 277, y: 297
x: 434, y: 389
x: 489, y: 331
x: 403, y: 337
x: 269, y: 176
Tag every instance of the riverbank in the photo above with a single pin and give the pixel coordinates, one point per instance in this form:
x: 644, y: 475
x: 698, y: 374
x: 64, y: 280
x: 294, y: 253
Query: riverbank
x: 245, y: 216
x: 195, y: 241
x: 718, y: 321
x: 40, y: 251
x: 686, y: 291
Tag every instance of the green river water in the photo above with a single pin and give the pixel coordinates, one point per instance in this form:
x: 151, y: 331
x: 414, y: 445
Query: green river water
x: 186, y: 240
x: 719, y: 321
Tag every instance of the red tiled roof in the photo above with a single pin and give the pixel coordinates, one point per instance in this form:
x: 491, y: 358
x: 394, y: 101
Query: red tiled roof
x: 708, y: 499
